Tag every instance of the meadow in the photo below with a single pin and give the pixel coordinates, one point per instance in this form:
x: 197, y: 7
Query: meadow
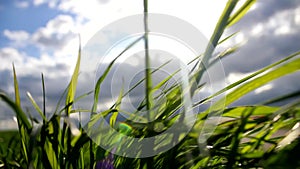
x: 252, y: 136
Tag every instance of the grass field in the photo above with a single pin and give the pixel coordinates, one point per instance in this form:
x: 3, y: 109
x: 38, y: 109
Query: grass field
x: 239, y: 141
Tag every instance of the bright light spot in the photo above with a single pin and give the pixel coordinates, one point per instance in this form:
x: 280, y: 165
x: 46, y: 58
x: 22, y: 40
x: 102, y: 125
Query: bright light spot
x: 282, y: 30
x: 156, y: 42
x: 240, y: 38
x: 15, y: 119
x: 234, y: 77
x: 297, y: 16
x: 257, y: 30
x: 296, y: 126
x: 209, y: 147
x: 263, y: 88
x: 254, y: 6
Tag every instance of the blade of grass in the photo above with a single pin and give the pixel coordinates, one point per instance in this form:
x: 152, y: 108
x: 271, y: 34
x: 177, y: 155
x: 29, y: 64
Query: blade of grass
x: 276, y: 73
x: 239, y: 82
x: 219, y: 29
x: 21, y: 116
x: 148, y: 80
x: 37, y: 108
x: 228, y: 37
x: 241, y: 12
x: 16, y: 86
x: 283, y: 98
x: 114, y: 115
x: 73, y: 84
x: 107, y: 70
x: 44, y: 97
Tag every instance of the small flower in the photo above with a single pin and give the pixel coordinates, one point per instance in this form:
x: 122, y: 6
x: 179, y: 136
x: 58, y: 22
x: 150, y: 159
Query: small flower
x: 106, y: 163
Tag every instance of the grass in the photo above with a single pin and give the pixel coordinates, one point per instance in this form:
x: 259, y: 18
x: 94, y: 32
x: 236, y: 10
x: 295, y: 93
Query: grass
x: 254, y: 136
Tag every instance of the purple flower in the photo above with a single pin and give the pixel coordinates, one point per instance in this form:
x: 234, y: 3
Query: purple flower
x: 106, y: 163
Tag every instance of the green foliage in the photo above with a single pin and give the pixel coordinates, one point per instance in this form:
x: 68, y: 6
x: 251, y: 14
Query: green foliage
x: 255, y: 136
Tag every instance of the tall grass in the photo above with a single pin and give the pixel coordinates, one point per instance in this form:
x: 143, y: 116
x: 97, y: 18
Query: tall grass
x: 255, y: 136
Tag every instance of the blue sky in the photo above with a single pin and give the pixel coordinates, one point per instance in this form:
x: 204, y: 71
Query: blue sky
x: 42, y: 36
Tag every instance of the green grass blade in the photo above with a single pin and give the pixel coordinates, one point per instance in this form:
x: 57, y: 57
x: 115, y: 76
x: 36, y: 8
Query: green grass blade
x: 61, y: 99
x: 226, y: 52
x: 107, y: 70
x: 228, y: 37
x: 37, y: 108
x: 94, y: 119
x: 283, y: 98
x: 114, y: 115
x: 239, y: 82
x: 139, y: 82
x: 44, y: 96
x: 75, y: 100
x: 236, y: 112
x: 73, y: 84
x: 276, y: 73
x: 51, y: 155
x: 241, y: 12
x: 24, y: 125
x: 148, y: 86
x: 213, y: 42
x: 19, y: 112
x: 16, y: 86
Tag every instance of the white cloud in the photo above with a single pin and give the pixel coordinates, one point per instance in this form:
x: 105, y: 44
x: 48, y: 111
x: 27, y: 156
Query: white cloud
x: 22, y: 4
x: 56, y: 34
x: 201, y: 14
x: 50, y: 3
x: 38, y: 2
x: 285, y: 22
x: 9, y: 56
x: 235, y: 76
x: 18, y: 36
x: 257, y: 30
x: 52, y: 66
x: 263, y: 88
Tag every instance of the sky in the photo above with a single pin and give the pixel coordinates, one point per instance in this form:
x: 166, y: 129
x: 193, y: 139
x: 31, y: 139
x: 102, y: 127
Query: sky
x: 41, y: 36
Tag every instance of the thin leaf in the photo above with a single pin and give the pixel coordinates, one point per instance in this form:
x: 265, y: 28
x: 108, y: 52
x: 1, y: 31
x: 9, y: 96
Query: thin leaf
x: 19, y: 112
x: 44, y: 97
x: 241, y: 12
x: 283, y: 98
x: 227, y: 38
x: 259, y: 81
x: 107, y: 70
x: 236, y: 112
x: 73, y: 84
x: 219, y: 29
x: 239, y: 82
x: 114, y: 115
x: 37, y: 108
x: 16, y: 86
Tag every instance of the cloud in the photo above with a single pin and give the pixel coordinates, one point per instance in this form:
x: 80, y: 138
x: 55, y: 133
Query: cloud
x: 266, y: 10
x: 8, y: 56
x: 103, y: 1
x: 38, y: 2
x: 50, y: 3
x: 22, y: 4
x: 56, y: 34
x: 270, y: 37
x: 18, y: 36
